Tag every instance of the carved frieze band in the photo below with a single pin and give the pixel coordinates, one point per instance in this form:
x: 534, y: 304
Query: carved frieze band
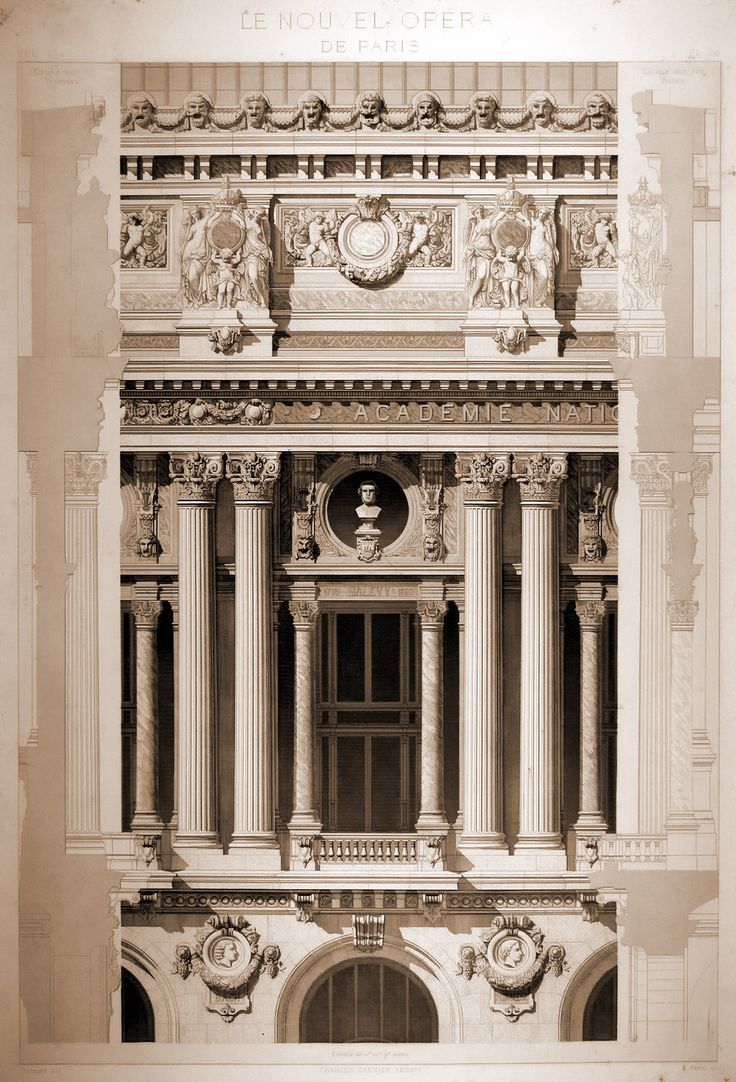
x: 483, y: 476
x: 425, y: 112
x: 253, y: 475
x: 196, y: 412
x: 540, y: 476
x: 197, y: 474
x: 83, y: 472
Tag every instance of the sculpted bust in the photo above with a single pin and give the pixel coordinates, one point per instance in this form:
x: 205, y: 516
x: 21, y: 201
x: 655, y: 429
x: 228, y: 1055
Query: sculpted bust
x: 368, y: 510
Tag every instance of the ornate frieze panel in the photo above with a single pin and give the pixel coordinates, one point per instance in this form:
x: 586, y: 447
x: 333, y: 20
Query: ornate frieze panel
x: 510, y: 253
x: 346, y: 239
x: 644, y: 260
x: 225, y: 252
x: 412, y: 301
x: 227, y: 958
x: 144, y: 237
x: 425, y: 112
x: 513, y: 960
x: 593, y: 237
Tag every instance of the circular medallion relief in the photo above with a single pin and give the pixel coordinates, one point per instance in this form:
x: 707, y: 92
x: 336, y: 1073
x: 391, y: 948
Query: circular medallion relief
x: 226, y: 952
x: 367, y: 242
x: 510, y: 232
x: 227, y: 233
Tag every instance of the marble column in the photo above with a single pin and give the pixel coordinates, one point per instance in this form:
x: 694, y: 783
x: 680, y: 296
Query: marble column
x: 539, y: 477
x: 83, y: 473
x: 197, y: 475
x: 483, y: 477
x: 590, y: 816
x: 432, y: 816
x: 146, y: 815
x: 253, y: 476
x: 304, y: 818
x: 680, y: 804
x: 653, y: 474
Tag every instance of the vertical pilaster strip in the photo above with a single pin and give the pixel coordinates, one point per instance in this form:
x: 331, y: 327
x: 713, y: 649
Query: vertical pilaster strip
x: 483, y: 477
x: 197, y: 475
x: 654, y: 477
x: 680, y: 803
x: 304, y: 817
x: 253, y: 476
x: 432, y: 807
x: 83, y: 473
x: 539, y: 477
x: 590, y: 815
x: 146, y: 815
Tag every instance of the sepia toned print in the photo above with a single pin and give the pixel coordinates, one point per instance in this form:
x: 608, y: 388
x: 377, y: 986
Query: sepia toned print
x: 371, y: 666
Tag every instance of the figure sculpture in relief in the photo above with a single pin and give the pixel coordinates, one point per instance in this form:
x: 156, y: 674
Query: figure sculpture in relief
x: 542, y: 254
x: 508, y: 269
x: 194, y: 256
x: 479, y: 253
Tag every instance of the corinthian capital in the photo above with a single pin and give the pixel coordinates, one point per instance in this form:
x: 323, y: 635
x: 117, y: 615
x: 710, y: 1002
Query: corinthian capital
x: 253, y: 475
x: 304, y: 613
x: 483, y: 476
x: 83, y: 472
x: 431, y: 613
x: 540, y: 477
x: 197, y: 474
x: 653, y: 474
x: 590, y: 613
x: 146, y: 613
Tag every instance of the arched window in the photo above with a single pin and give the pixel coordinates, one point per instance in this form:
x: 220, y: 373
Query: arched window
x: 137, y: 1011
x: 368, y: 1001
x: 599, y: 1019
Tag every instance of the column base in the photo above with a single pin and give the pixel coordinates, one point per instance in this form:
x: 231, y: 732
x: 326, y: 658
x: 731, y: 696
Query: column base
x: 265, y: 839
x: 85, y: 843
x: 147, y: 823
x: 432, y: 823
x: 491, y: 840
x: 539, y: 840
x: 195, y: 840
x: 304, y: 823
x: 590, y: 823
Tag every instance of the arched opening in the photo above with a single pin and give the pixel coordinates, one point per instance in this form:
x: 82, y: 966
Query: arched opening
x: 599, y: 1017
x: 368, y: 1001
x: 137, y: 1012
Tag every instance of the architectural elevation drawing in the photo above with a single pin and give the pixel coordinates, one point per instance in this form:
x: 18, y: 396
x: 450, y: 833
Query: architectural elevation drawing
x: 369, y: 664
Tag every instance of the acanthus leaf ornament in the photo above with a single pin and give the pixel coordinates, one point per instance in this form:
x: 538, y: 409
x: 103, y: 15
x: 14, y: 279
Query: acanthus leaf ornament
x: 513, y: 961
x: 483, y: 476
x: 197, y: 474
x: 253, y: 475
x: 227, y: 959
x: 541, y: 476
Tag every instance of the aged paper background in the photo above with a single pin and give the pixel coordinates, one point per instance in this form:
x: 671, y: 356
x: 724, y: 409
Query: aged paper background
x: 46, y: 36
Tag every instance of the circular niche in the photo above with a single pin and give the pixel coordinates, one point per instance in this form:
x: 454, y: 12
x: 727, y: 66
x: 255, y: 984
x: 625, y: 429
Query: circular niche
x: 344, y: 499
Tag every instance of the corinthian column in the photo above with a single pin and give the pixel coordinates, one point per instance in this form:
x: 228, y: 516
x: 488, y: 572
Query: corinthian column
x: 654, y: 477
x: 197, y: 476
x: 432, y: 809
x: 539, y: 477
x: 146, y: 816
x: 304, y: 819
x: 590, y: 815
x: 253, y: 476
x: 483, y: 477
x: 82, y: 475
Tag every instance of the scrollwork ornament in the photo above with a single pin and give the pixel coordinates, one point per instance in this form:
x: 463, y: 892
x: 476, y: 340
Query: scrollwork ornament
x: 483, y: 476
x: 253, y: 475
x: 541, y: 476
x: 227, y: 959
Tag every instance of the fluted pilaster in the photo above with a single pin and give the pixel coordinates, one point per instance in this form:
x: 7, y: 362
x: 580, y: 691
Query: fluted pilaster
x: 197, y: 476
x: 483, y: 477
x: 680, y: 804
x: 590, y: 815
x: 654, y: 477
x: 304, y: 815
x: 83, y: 473
x: 432, y: 808
x: 539, y: 477
x: 146, y: 816
x: 253, y: 477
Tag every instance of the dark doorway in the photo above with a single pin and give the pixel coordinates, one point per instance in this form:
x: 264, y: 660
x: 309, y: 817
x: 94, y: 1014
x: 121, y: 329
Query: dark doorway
x: 137, y: 1010
x: 599, y: 1019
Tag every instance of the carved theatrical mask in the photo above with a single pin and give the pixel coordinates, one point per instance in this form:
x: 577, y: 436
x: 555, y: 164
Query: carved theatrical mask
x: 599, y: 112
x: 371, y: 107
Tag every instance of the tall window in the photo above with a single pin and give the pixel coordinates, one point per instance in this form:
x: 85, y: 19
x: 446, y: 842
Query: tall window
x: 369, y: 1001
x: 368, y: 721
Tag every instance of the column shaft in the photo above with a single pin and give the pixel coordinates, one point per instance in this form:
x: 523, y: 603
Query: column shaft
x: 253, y: 477
x: 304, y: 816
x: 432, y: 811
x: 482, y: 769
x: 146, y: 814
x: 539, y: 810
x: 680, y: 804
x: 590, y: 816
x: 197, y: 744
x: 83, y: 473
